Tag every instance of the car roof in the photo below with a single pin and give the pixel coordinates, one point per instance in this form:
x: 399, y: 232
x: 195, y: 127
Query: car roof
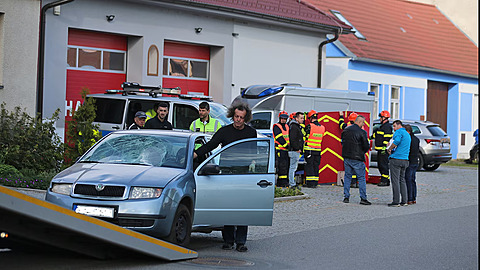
x: 407, y: 121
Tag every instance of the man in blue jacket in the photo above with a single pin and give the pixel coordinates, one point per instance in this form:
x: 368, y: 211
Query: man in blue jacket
x: 399, y: 149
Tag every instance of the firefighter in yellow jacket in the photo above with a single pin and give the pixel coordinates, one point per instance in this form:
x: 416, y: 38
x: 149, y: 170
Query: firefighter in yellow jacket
x: 313, y: 149
x: 382, y: 136
x: 282, y: 142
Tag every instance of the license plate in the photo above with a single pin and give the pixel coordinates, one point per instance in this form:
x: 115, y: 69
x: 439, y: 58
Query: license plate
x: 444, y: 145
x: 95, y: 211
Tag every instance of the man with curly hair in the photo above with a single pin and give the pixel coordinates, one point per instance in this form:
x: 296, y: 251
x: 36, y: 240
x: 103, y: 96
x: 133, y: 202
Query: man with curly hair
x: 241, y: 114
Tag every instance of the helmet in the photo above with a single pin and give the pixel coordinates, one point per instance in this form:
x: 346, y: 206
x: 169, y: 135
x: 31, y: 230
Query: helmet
x: 352, y: 117
x: 292, y: 115
x: 283, y: 114
x: 384, y: 114
x: 311, y: 113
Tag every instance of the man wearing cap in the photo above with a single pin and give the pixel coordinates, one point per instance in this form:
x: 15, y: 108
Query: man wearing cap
x: 313, y: 149
x: 139, y: 120
x: 282, y: 143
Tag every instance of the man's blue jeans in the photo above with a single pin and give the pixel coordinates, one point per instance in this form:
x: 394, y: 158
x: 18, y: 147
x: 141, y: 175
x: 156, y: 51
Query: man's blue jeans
x: 356, y: 167
x: 294, y: 157
x: 410, y: 176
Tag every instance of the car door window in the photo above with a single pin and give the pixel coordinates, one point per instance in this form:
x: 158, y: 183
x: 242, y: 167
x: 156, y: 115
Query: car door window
x: 415, y: 130
x: 183, y: 116
x: 244, y: 158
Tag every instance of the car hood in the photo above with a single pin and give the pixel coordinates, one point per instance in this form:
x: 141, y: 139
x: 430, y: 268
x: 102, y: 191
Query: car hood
x: 131, y: 175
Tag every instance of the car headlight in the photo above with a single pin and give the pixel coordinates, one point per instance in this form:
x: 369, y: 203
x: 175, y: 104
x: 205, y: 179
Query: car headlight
x: 61, y: 188
x: 145, y: 193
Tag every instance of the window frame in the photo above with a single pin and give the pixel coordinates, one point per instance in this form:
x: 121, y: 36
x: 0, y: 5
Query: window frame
x: 395, y: 102
x: 124, y: 71
x: 166, y: 70
x: 149, y: 73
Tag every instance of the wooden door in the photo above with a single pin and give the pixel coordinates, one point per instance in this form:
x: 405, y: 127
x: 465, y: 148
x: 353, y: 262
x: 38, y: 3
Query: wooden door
x: 437, y: 103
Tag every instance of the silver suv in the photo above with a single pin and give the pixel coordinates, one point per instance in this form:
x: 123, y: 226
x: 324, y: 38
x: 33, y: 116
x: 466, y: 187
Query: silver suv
x: 116, y: 108
x: 434, y: 143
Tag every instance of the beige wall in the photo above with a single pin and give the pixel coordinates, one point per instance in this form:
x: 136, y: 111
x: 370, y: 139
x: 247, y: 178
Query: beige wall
x: 19, y: 24
x: 463, y: 13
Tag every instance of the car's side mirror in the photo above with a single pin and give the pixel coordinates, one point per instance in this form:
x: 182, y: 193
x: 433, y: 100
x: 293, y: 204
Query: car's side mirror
x: 209, y: 169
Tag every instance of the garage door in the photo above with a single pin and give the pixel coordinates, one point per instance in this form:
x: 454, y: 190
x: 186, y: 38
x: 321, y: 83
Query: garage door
x: 96, y: 61
x: 186, y: 66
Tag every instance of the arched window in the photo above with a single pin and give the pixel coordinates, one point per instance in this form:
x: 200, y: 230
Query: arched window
x: 152, y: 61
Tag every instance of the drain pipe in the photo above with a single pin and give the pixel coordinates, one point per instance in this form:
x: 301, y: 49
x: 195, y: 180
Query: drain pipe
x: 320, y: 56
x: 41, y: 53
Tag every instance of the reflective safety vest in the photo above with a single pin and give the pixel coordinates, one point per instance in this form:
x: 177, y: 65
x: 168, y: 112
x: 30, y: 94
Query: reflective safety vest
x: 210, y: 127
x: 314, y: 140
x: 150, y: 114
x: 285, y: 135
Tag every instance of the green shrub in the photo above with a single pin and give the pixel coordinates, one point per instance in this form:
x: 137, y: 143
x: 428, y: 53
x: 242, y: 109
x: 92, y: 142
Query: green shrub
x: 8, y: 171
x: 29, y: 142
x: 287, y: 192
x: 81, y: 133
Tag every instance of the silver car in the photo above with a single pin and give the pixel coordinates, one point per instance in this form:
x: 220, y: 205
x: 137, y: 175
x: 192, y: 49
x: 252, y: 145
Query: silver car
x: 434, y: 143
x: 147, y: 180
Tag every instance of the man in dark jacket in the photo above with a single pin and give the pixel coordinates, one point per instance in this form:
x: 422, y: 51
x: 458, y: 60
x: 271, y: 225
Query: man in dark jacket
x: 296, y: 135
x: 410, y: 172
x: 160, y: 121
x: 354, y: 146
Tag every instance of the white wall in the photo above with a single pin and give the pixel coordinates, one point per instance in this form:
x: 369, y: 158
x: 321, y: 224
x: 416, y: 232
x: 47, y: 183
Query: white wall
x: 463, y: 150
x: 18, y: 53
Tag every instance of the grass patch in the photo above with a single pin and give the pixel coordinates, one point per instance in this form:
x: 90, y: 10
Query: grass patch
x: 287, y: 192
x: 460, y: 163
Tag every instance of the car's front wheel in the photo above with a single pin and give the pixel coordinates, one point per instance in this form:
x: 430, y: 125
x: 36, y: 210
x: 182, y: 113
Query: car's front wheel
x: 181, y: 227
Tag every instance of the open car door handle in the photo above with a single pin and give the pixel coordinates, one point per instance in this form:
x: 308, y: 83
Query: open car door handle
x: 264, y: 183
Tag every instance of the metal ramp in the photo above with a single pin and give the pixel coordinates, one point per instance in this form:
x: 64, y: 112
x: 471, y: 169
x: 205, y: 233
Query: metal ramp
x: 39, y: 221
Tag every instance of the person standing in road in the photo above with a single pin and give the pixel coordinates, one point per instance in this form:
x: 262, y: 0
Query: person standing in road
x: 139, y: 120
x: 160, y: 121
x: 296, y: 136
x: 205, y: 123
x: 282, y: 142
x: 238, y: 130
x: 354, y: 146
x: 313, y: 149
x: 474, y: 149
x: 341, y: 123
x: 399, y: 163
x: 382, y: 136
x: 410, y: 173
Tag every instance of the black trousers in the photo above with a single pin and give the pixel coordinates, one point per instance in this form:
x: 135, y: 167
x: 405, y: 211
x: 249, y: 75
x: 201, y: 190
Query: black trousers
x: 382, y: 160
x: 235, y: 234
x: 283, y: 163
x: 473, y: 151
x: 312, y: 167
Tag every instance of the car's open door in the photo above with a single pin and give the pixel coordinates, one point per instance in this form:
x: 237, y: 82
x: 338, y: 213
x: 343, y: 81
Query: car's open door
x: 236, y: 185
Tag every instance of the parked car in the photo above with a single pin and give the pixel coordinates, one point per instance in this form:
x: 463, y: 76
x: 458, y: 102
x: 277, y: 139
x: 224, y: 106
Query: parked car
x: 115, y: 109
x: 434, y: 143
x: 148, y: 181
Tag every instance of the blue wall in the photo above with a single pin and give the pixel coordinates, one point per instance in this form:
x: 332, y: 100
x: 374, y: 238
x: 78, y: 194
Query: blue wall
x: 414, y: 103
x: 358, y: 86
x: 466, y: 109
x: 452, y: 119
x: 333, y: 51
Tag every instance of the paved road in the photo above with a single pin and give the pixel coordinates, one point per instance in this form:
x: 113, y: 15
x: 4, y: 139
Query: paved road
x: 439, y: 232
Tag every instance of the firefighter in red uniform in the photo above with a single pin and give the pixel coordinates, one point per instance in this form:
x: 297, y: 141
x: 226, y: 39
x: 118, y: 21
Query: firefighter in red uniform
x: 280, y: 134
x: 313, y: 149
x: 341, y: 122
x: 382, y: 136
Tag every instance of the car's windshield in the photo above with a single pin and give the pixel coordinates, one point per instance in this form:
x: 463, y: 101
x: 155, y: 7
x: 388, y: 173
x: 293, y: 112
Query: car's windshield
x: 140, y: 149
x: 219, y: 112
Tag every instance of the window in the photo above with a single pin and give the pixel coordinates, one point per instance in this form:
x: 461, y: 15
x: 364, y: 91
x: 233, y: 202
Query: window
x: 183, y: 116
x: 244, y: 158
x: 374, y: 88
x: 152, y: 61
x: 395, y: 102
x: 109, y: 110
x: 261, y: 120
x: 95, y: 59
x: 185, y: 68
x: 339, y: 16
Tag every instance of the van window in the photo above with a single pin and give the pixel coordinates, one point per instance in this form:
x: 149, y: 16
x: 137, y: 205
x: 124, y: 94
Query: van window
x: 183, y: 116
x: 109, y: 110
x: 138, y: 105
x: 261, y: 120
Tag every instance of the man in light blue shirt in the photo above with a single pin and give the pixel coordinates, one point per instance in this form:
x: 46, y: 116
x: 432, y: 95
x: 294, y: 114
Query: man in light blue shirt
x: 399, y: 150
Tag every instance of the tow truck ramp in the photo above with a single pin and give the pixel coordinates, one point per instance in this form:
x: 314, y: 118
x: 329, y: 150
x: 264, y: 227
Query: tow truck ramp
x: 31, y: 219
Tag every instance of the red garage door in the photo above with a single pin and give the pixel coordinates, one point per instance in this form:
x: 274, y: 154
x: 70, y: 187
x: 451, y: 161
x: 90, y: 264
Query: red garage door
x: 96, y: 61
x: 186, y: 66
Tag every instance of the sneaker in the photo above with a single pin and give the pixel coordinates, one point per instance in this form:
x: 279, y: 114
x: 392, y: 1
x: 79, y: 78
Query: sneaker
x: 346, y: 200
x: 414, y: 202
x: 241, y: 248
x: 365, y: 202
x: 410, y: 202
x: 227, y: 246
x: 403, y: 204
x: 393, y: 205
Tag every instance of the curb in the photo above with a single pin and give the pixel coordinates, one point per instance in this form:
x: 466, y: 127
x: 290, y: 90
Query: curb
x: 292, y: 198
